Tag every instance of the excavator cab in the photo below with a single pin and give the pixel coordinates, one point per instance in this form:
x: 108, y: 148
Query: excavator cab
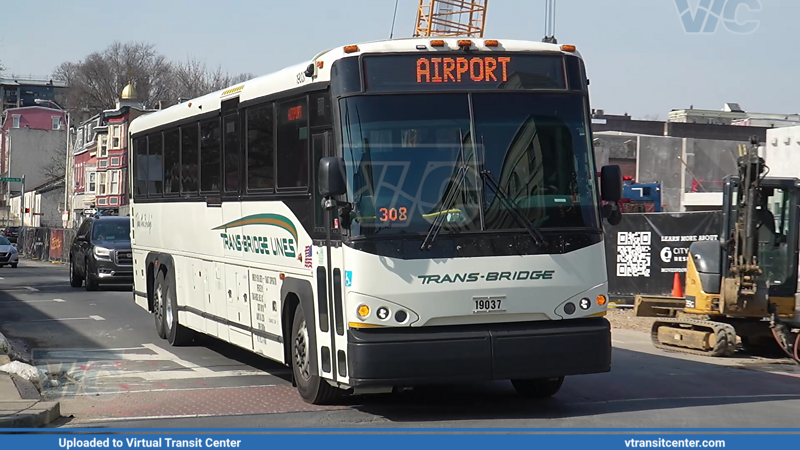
x: 740, y: 289
x: 777, y: 227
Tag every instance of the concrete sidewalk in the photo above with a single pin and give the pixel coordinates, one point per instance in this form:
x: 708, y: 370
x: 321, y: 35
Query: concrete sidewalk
x: 20, y: 402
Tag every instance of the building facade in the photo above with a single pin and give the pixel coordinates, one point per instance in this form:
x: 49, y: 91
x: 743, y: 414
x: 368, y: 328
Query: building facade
x: 84, y: 174
x: 20, y: 92
x: 33, y: 142
x: 100, y: 162
x: 733, y: 114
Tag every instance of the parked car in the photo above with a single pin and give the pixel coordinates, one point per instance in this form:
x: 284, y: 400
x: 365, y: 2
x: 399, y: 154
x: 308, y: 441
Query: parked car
x: 101, y: 253
x: 8, y: 253
x: 12, y: 233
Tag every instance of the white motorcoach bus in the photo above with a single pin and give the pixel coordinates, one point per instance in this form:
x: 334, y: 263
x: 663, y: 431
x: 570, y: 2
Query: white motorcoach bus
x: 385, y: 215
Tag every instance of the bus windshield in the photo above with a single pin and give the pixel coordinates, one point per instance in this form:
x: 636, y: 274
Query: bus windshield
x: 403, y: 154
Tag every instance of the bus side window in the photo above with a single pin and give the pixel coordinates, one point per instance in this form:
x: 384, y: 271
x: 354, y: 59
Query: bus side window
x: 155, y: 164
x: 293, y: 144
x: 210, y: 163
x: 190, y: 156
x: 260, y: 148
x: 140, y: 164
x: 172, y: 168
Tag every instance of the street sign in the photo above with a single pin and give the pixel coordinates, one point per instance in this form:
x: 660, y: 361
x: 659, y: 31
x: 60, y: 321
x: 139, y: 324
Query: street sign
x: 11, y: 180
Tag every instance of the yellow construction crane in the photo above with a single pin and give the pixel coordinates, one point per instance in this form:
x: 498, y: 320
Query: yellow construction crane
x: 465, y: 18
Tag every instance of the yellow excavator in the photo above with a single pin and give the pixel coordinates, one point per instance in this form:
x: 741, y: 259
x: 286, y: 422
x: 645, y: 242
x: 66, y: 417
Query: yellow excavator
x: 744, y: 284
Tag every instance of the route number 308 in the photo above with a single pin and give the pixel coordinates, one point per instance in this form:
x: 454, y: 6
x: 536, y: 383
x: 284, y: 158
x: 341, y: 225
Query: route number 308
x: 394, y: 214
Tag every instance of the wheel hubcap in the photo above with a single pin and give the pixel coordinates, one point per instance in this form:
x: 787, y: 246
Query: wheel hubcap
x: 157, y: 303
x: 168, y: 304
x: 301, y: 351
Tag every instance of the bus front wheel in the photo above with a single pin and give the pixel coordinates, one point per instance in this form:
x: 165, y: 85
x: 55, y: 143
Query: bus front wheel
x: 539, y: 387
x: 312, y: 388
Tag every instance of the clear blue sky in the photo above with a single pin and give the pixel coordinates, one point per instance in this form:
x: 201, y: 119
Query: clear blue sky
x: 639, y: 58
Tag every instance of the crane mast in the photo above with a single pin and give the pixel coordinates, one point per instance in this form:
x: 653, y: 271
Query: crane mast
x: 550, y: 22
x: 451, y: 18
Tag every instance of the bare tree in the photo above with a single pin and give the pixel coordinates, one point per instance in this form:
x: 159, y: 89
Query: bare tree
x: 54, y: 166
x: 96, y: 82
x: 192, y: 78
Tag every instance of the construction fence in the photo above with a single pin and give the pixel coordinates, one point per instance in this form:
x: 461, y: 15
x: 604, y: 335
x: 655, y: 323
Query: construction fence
x: 45, y: 244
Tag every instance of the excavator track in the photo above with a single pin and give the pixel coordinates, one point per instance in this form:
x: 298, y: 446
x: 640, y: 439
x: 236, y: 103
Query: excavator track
x: 694, y: 337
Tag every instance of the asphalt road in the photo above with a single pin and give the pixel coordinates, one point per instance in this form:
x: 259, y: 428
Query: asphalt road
x: 109, y: 369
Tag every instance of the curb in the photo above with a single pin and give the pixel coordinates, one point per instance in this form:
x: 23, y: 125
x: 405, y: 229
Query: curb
x: 26, y: 410
x: 45, y: 413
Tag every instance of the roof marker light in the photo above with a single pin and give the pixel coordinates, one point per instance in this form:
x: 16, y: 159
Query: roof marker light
x: 568, y: 48
x: 350, y: 48
x: 464, y: 43
x: 437, y: 43
x: 491, y: 43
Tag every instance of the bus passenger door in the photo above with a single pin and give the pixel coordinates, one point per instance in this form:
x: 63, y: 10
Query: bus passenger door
x: 330, y: 279
x: 230, y: 189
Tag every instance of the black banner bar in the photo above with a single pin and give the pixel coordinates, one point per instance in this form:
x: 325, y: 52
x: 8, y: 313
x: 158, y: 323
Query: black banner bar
x: 646, y: 250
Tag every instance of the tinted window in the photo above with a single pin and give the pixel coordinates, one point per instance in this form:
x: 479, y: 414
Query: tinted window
x: 575, y: 74
x: 231, y: 124
x: 320, y: 105
x: 4, y: 241
x: 140, y: 161
x: 172, y: 168
x: 318, y: 149
x: 345, y: 76
x: 155, y: 171
x: 293, y: 144
x: 84, y: 228
x: 260, y: 148
x: 209, y: 156
x: 189, y: 157
x: 116, y: 230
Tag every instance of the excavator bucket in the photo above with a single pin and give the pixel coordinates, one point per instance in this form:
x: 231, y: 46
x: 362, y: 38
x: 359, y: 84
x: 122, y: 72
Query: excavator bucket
x: 657, y: 306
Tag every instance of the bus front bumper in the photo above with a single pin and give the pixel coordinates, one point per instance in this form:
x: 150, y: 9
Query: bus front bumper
x: 415, y: 356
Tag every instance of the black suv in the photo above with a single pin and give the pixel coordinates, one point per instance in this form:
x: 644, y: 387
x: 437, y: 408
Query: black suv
x: 101, y: 253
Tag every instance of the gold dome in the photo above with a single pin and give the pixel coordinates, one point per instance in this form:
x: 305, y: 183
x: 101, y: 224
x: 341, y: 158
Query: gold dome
x: 129, y: 93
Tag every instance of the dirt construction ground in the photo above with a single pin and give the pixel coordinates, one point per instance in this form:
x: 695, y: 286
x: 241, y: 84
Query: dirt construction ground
x: 623, y: 319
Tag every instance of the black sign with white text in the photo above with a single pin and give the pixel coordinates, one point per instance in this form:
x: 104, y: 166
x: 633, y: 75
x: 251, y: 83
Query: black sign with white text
x: 646, y: 250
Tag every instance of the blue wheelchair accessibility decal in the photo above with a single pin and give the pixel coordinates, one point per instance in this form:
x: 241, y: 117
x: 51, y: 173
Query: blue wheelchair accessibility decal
x: 348, y: 278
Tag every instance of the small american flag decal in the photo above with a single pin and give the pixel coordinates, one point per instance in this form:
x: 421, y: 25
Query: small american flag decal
x: 308, y: 255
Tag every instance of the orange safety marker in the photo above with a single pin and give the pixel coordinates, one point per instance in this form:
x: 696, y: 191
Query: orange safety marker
x: 677, y: 289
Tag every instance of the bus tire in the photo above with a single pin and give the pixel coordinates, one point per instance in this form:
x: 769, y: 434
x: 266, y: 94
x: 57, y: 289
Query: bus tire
x: 538, y: 388
x: 177, y: 334
x: 312, y: 388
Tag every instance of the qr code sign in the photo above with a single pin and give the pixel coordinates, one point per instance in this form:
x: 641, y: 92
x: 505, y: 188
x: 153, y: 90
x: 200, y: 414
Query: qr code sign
x: 633, y: 254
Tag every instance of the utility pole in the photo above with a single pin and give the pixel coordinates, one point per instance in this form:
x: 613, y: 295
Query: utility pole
x: 22, y: 216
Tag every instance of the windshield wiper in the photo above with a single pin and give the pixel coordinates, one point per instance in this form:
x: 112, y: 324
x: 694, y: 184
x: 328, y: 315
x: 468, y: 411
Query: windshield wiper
x: 450, y: 198
x: 537, y: 235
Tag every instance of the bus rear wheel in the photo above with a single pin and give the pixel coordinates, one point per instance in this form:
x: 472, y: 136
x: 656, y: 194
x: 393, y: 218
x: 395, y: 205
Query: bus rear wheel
x: 538, y: 388
x: 312, y: 388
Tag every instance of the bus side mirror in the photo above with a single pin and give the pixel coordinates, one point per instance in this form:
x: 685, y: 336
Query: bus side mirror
x: 611, y: 183
x: 331, y: 179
